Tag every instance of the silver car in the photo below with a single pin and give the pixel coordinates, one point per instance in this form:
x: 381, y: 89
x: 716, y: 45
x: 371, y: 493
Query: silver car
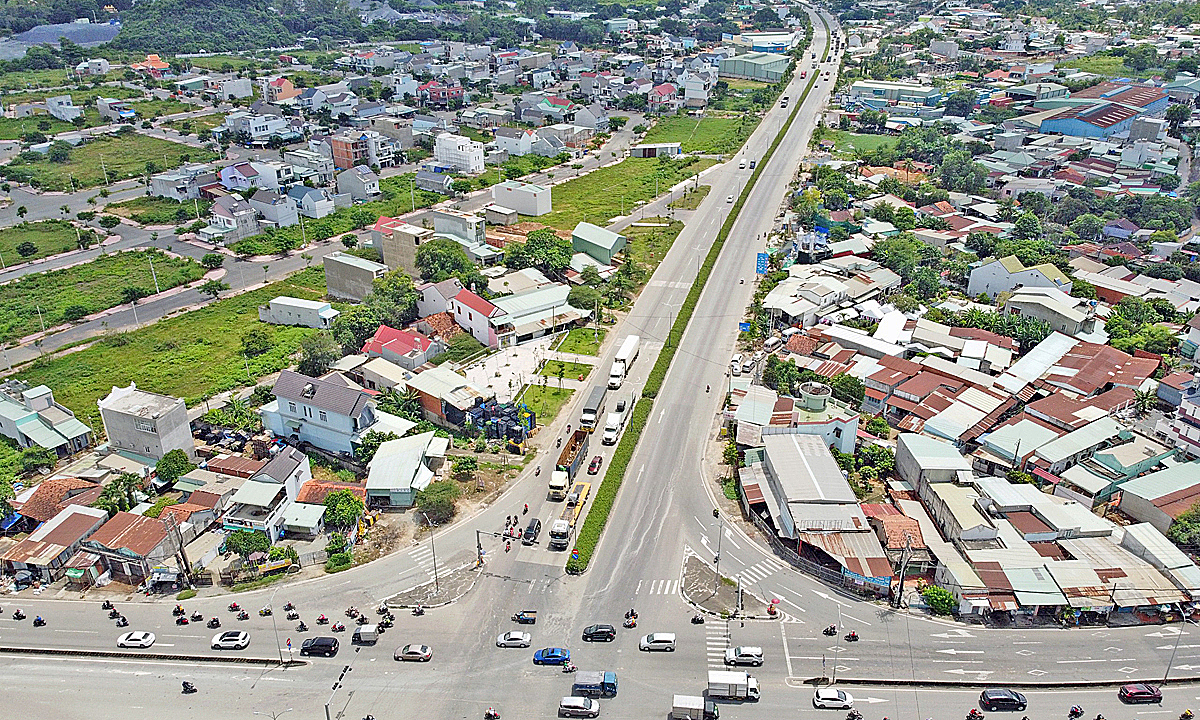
x: 513, y: 639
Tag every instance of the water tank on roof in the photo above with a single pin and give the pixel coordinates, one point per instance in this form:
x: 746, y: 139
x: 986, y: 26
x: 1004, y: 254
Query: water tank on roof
x: 814, y: 395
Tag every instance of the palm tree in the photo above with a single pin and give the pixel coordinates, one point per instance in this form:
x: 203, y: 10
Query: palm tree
x: 1143, y: 401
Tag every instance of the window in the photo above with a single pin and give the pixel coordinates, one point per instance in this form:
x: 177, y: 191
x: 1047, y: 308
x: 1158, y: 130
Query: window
x: 144, y: 425
x: 323, y: 416
x: 837, y: 432
x: 292, y: 406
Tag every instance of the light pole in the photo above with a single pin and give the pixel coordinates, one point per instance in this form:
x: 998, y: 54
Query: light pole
x: 273, y: 714
x: 432, y: 547
x: 717, y: 559
x: 275, y: 626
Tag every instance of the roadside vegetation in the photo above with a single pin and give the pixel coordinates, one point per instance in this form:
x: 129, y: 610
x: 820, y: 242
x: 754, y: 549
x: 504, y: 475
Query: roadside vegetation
x: 711, y: 135
x: 36, y: 240
x: 117, y: 157
x: 149, y: 210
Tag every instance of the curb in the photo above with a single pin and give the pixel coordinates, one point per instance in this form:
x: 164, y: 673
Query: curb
x: 1020, y: 684
x: 452, y: 600
x: 113, y: 654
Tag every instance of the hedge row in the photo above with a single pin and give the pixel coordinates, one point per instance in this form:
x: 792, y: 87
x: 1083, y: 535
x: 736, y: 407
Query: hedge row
x: 602, y: 502
x: 659, y: 373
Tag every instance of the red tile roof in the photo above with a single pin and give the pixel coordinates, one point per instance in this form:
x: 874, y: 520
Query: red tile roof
x: 476, y: 303
x: 47, y: 499
x: 182, y: 511
x: 442, y: 325
x: 801, y: 344
x: 400, y: 342
x: 314, y: 491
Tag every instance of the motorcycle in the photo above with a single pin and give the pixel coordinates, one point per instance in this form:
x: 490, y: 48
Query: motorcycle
x: 1075, y: 711
x: 106, y: 605
x: 491, y: 714
x: 38, y: 621
x: 301, y: 627
x: 243, y: 615
x: 630, y: 623
x: 197, y: 616
x: 181, y: 620
x: 361, y: 620
x: 322, y: 620
x: 854, y: 715
x: 289, y: 606
x: 569, y: 668
x: 831, y: 630
x: 338, y: 627
x: 418, y: 611
x: 188, y: 688
x: 214, y: 623
x: 852, y: 637
x: 113, y: 614
x: 178, y: 610
x: 558, y: 442
x: 974, y: 714
x: 1186, y: 715
x: 18, y: 615
x: 351, y: 611
x: 382, y: 609
x: 122, y: 622
x: 234, y: 607
x: 537, y: 471
x: 265, y: 612
x: 385, y: 623
x: 697, y: 619
x: 293, y: 615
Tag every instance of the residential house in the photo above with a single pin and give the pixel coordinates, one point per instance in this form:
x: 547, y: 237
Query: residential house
x: 475, y: 315
x: 60, y: 107
x: 132, y: 545
x: 349, y: 277
x: 262, y: 502
x: 114, y: 110
x: 279, y: 89
x: 239, y: 176
x: 298, y: 312
x: 311, y: 202
x: 273, y: 175
x: 276, y: 210
x: 231, y: 219
x: 311, y: 100
x: 93, y: 66
x: 434, y: 182
x: 405, y: 348
x: 359, y: 182
x: 525, y: 198
x: 998, y: 275
x: 1159, y: 498
x: 45, y: 551
x: 362, y: 147
x: 326, y: 414
x: 593, y: 116
x: 319, y: 167
x: 435, y: 297
x: 663, y: 99
x: 399, y: 245
x: 403, y: 467
x: 254, y: 127
x: 32, y: 418
x: 182, y: 183
x: 1066, y: 314
x: 515, y: 141
x: 146, y: 424
x: 458, y: 153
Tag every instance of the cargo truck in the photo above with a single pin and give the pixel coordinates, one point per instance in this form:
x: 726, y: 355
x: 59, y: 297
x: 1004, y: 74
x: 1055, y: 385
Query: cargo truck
x: 625, y: 357
x: 692, y: 707
x: 593, y: 408
x: 573, y: 456
x: 560, y: 529
x: 732, y: 685
x: 558, y: 484
x: 595, y: 683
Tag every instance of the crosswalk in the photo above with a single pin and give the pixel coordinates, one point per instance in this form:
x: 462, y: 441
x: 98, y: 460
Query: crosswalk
x: 657, y: 587
x: 716, y: 638
x: 761, y: 570
x: 423, y: 557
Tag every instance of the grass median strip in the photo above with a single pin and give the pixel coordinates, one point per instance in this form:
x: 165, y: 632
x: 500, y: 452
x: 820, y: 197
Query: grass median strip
x: 597, y: 517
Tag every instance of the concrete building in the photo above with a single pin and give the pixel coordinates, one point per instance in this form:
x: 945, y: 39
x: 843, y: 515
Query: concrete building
x: 32, y: 418
x: 182, y: 183
x: 61, y: 108
x: 1004, y: 274
x: 231, y: 219
x: 321, y: 166
x: 400, y: 246
x: 311, y: 202
x: 1160, y: 497
x: 362, y: 147
x: 114, y: 110
x: 761, y: 412
x: 467, y: 227
x: 348, y: 277
x: 525, y: 198
x: 889, y: 92
x: 359, y: 182
x: 262, y: 503
x: 45, y: 551
x: 326, y: 414
x: 285, y: 310
x: 1066, y: 314
x: 761, y: 66
x: 146, y: 424
x: 922, y: 461
x: 276, y: 210
x: 459, y: 153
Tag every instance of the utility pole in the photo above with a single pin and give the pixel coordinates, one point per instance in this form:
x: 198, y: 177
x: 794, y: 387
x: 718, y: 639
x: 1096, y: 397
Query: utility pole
x: 717, y: 559
x: 899, y: 599
x: 40, y: 319
x: 104, y: 170
x: 152, y: 273
x: 433, y: 547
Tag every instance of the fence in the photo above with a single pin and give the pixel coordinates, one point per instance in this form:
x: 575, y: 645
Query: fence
x: 833, y: 577
x: 317, y: 557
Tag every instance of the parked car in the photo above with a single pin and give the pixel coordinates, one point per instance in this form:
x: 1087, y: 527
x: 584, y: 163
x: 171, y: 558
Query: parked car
x: 592, y: 633
x: 513, y: 638
x: 414, y: 653
x: 594, y: 466
x: 136, y: 639
x: 1140, y: 693
x: 994, y: 699
x: 833, y: 699
x: 552, y: 656
x: 231, y: 640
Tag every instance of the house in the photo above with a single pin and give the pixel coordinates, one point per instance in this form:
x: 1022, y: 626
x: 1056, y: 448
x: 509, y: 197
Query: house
x: 349, y: 277
x: 45, y: 551
x: 403, y: 467
x: 998, y: 275
x: 760, y: 411
x: 663, y: 99
x: 231, y: 219
x: 311, y: 202
x: 273, y: 175
x: 238, y: 177
x: 515, y: 141
x: 475, y: 315
x: 114, y: 110
x: 593, y: 116
x: 922, y: 461
x: 182, y: 183
x: 276, y: 210
x: 93, y: 66
x: 399, y: 246
x: 61, y: 108
x: 359, y: 182
x: 253, y: 127
x: 435, y: 297
x: 885, y: 92
x: 279, y: 89
x: 1066, y: 314
x: 434, y: 182
x: 445, y: 396
x: 652, y: 150
x: 599, y: 243
x: 319, y: 167
x: 362, y: 147
x: 51, y: 496
x: 261, y: 503
x: 146, y: 424
x: 298, y: 312
x: 1161, y: 497
x: 311, y: 99
x: 32, y: 418
x: 406, y: 348
x: 131, y: 546
x: 326, y: 414
x: 535, y: 312
x: 458, y: 153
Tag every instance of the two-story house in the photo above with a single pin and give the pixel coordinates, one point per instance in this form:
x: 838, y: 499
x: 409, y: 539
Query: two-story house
x: 32, y: 418
x: 359, y: 182
x: 326, y: 414
x: 146, y: 424
x: 261, y: 504
x: 311, y: 202
x: 232, y: 219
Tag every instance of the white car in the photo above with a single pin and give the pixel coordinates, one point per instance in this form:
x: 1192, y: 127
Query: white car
x: 728, y: 198
x: 231, y: 640
x: 136, y: 640
x: 833, y: 699
x: 514, y: 639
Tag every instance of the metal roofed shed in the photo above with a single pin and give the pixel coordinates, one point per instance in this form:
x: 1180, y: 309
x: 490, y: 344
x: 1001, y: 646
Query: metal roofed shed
x: 1077, y: 442
x: 257, y: 493
x: 399, y: 470
x: 805, y: 470
x: 1034, y: 587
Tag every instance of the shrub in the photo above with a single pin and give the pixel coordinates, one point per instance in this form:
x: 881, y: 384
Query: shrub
x: 338, y: 562
x: 940, y: 600
x: 437, y: 501
x: 186, y: 594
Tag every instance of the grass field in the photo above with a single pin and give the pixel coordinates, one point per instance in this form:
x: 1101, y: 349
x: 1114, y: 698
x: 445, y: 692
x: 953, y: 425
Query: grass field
x: 1103, y: 65
x: 546, y: 401
x: 80, y: 98
x: 570, y: 370
x: 73, y: 292
x: 192, y: 356
x: 150, y: 109
x: 196, y: 124
x: 50, y: 236
x: 32, y: 78
x: 124, y: 156
x: 230, y: 63
x: 739, y: 84
x: 648, y: 245
x: 15, y: 128
x: 614, y: 190
x: 847, y: 143
x: 692, y: 198
x: 148, y: 210
x: 582, y: 341
x: 708, y: 135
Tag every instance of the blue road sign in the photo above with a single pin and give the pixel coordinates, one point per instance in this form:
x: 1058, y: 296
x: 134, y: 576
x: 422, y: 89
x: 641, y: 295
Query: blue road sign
x: 575, y: 554
x: 743, y: 327
x: 761, y: 266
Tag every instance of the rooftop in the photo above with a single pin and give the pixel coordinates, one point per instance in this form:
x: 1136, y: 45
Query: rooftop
x: 131, y: 401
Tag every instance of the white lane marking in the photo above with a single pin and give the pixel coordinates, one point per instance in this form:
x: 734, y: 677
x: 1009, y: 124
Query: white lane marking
x: 864, y: 622
x: 786, y: 656
x: 84, y: 632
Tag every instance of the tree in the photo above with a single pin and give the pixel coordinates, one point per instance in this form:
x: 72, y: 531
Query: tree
x: 436, y: 501
x: 960, y: 173
x: 464, y: 466
x: 961, y: 103
x: 583, y: 297
x: 213, y: 288
x: 461, y: 186
x: 442, y: 258
x: 1087, y: 226
x: 1169, y: 182
x: 543, y: 249
x: 939, y: 599
x: 369, y: 444
x: 1034, y: 202
x: 350, y: 241
x: 247, y: 542
x: 22, y: 211
x: 878, y: 427
x: 27, y: 249
x: 1176, y: 115
x: 60, y: 152
x: 174, y: 465
x: 36, y: 457
x: 256, y: 341
x: 848, y: 389
x: 107, y: 222
x: 1185, y: 530
x: 343, y: 509
x: 925, y: 285
x: 317, y: 353
x: 131, y: 294
x: 212, y: 261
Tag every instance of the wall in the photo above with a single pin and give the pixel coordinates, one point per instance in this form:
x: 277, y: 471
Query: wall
x: 347, y: 281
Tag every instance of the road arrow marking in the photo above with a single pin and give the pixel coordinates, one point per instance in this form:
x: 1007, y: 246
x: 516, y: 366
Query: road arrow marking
x: 955, y: 651
x: 961, y: 671
x: 831, y: 598
x: 953, y: 634
x: 1167, y: 632
x: 871, y: 700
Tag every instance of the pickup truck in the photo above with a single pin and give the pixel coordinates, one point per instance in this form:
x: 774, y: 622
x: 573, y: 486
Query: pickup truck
x: 595, y: 683
x: 525, y: 617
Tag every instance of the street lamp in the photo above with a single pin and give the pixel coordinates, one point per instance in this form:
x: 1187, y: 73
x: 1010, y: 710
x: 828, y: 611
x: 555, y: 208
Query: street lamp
x: 433, y: 547
x: 275, y: 626
x: 717, y: 559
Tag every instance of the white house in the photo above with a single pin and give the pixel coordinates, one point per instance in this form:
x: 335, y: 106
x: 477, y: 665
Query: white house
x: 515, y: 141
x: 327, y: 414
x: 261, y: 503
x: 1007, y: 273
x: 459, y: 153
x: 525, y: 198
x: 285, y: 310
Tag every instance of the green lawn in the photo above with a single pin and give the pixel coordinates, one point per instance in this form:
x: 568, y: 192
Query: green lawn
x: 546, y: 401
x: 123, y: 156
x: 196, y: 124
x: 846, y: 143
x: 648, y: 245
x: 150, y: 109
x: 230, y: 63
x: 16, y: 128
x: 692, y: 198
x: 70, y: 293
x: 570, y: 370
x: 707, y: 135
x: 50, y: 236
x: 582, y: 341
x: 192, y: 355
x: 1103, y: 65
x: 81, y: 98
x: 32, y: 78
x: 614, y: 190
x: 148, y: 210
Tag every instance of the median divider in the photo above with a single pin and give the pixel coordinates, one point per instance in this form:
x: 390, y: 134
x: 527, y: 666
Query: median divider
x: 115, y: 654
x: 597, y: 517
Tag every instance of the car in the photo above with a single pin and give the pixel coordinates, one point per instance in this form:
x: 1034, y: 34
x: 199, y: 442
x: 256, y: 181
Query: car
x: 592, y: 633
x: 993, y: 699
x: 327, y: 646
x: 578, y: 707
x: 231, y: 640
x: 759, y: 355
x: 552, y: 656
x: 662, y: 641
x: 531, y: 532
x: 413, y: 653
x: 833, y: 699
x: 594, y: 465
x: 744, y: 655
x: 1140, y: 693
x: 136, y: 639
x: 728, y: 198
x: 513, y: 638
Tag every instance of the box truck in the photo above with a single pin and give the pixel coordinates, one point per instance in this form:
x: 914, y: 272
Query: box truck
x: 623, y: 361
x: 593, y: 408
x: 732, y: 685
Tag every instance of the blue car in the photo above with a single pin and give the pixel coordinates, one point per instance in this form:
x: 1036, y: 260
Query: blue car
x: 552, y: 656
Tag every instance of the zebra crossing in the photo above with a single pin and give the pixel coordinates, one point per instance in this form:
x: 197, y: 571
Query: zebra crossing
x: 761, y: 570
x: 657, y: 587
x: 716, y: 639
x: 423, y: 557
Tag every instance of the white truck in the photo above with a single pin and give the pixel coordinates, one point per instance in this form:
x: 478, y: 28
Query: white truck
x: 622, y: 362
x: 732, y: 685
x: 559, y: 480
x: 693, y: 707
x: 613, y: 424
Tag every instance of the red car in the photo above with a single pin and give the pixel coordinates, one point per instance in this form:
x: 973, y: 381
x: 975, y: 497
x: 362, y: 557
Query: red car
x: 1140, y: 693
x: 594, y: 467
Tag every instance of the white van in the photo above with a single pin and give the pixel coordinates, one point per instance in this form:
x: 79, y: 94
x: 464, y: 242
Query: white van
x: 735, y: 364
x: 742, y: 165
x: 772, y: 344
x: 366, y: 635
x: 748, y: 365
x: 658, y: 641
x: 578, y: 707
x: 744, y: 655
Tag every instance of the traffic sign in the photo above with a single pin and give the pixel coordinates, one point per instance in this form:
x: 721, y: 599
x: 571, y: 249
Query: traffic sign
x: 761, y: 265
x: 575, y: 554
x: 289, y: 643
x: 743, y: 327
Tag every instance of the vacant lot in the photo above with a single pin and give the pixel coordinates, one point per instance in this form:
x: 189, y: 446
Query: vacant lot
x: 230, y: 63
x: 545, y: 402
x: 50, y: 237
x: 148, y: 210
x: 650, y: 239
x: 150, y: 109
x: 17, y: 128
x: 121, y: 156
x: 192, y: 356
x: 739, y: 84
x: 847, y: 143
x: 1102, y: 65
x: 195, y: 124
x: 71, y: 293
x: 614, y: 190
x: 33, y: 78
x: 80, y: 98
x: 707, y: 135
x: 582, y: 341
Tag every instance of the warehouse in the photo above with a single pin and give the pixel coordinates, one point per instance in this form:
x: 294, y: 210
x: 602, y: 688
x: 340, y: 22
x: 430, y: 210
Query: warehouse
x: 761, y: 66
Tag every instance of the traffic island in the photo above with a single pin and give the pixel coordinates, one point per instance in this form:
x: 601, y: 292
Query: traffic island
x: 718, y: 595
x: 445, y: 590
